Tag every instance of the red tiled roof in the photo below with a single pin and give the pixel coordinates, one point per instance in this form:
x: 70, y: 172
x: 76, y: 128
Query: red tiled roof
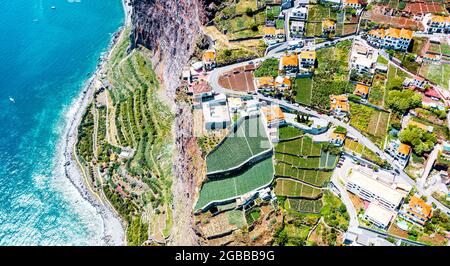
x: 432, y: 93
x: 201, y: 87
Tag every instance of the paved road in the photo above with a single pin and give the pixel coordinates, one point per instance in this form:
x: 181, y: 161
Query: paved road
x: 430, y: 162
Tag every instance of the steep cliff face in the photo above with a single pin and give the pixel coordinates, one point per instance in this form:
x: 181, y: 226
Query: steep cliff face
x: 170, y: 29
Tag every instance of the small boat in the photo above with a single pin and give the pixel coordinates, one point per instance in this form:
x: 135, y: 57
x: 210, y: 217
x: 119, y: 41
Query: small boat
x: 35, y: 20
x: 12, y: 100
x: 53, y: 7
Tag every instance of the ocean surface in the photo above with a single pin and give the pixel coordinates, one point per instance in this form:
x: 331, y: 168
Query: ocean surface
x: 46, y: 55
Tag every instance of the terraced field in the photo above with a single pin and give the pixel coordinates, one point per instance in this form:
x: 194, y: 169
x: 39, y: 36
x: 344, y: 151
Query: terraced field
x: 141, y: 123
x: 305, y: 205
x: 247, y: 140
x: 303, y: 146
x: 256, y: 176
x: 289, y: 132
x: 290, y: 188
x: 325, y: 161
x: 315, y: 177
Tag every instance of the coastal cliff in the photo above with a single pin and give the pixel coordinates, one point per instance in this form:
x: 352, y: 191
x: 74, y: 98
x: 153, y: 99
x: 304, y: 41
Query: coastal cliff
x: 170, y: 29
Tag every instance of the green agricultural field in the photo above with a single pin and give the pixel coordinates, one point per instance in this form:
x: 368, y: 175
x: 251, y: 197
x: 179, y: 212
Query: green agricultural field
x: 248, y: 140
x: 395, y: 77
x: 382, y: 60
x: 305, y: 205
x: 241, y: 24
x: 302, y: 146
x: 445, y: 49
x: 137, y: 118
x: 325, y: 161
x: 289, y: 132
x: 369, y: 121
x: 437, y: 73
x: 314, y: 177
x: 252, y: 215
x: 378, y: 90
x: 418, y: 44
x: 303, y: 88
x: 256, y: 176
x: 441, y: 131
x: 290, y: 188
x: 354, y: 146
x: 328, y: 160
x: 301, y: 162
x: 243, y: 5
x: 331, y: 75
x: 320, y: 12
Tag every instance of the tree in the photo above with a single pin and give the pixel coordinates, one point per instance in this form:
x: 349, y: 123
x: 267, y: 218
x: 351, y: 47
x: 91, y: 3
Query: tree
x: 403, y: 101
x: 340, y: 130
x: 227, y: 52
x: 249, y: 11
x: 420, y: 140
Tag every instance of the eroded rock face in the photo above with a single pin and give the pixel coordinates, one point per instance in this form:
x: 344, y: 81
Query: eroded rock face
x: 170, y: 29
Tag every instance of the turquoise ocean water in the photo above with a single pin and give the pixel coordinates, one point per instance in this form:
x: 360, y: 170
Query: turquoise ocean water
x: 45, y: 57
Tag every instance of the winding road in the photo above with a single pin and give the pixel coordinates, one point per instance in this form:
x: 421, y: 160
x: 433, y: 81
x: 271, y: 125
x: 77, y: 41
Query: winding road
x: 277, y: 53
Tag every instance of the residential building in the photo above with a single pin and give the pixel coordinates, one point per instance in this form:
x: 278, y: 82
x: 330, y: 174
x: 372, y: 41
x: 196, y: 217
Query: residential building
x: 352, y: 3
x: 381, y: 67
x: 328, y: 26
x: 361, y: 90
x: 187, y: 75
x: 392, y: 38
x: 337, y: 138
x: 446, y: 150
x: 417, y: 82
x: 363, y: 59
x: 273, y: 35
x: 433, y: 94
x: 416, y: 211
x: 334, y: 2
x: 286, y: 4
x: 299, y: 13
x: 289, y: 64
x: 283, y: 83
x: 215, y: 115
x: 378, y: 215
x: 399, y: 151
x: 339, y: 104
x: 431, y: 57
x: 273, y: 115
x: 403, y: 151
x: 265, y: 83
x: 209, y: 60
x: 370, y: 189
x: 297, y: 29
x: 307, y: 59
x: 201, y: 89
x: 436, y: 23
x: 432, y: 103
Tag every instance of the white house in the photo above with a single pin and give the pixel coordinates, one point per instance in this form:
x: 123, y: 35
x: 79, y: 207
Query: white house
x: 436, y: 24
x: 297, y: 29
x: 363, y: 59
x: 299, y: 13
x: 352, y: 3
